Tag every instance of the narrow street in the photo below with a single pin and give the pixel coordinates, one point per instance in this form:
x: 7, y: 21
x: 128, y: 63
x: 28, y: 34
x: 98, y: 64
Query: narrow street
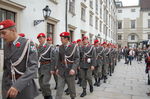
x: 128, y: 82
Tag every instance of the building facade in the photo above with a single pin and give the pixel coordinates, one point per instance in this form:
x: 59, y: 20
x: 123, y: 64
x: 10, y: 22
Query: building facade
x: 93, y: 18
x: 133, y: 24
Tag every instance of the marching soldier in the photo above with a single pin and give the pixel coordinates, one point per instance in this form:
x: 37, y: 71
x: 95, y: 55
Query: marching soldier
x: 106, y: 61
x: 99, y: 63
x: 78, y: 69
x: 67, y: 65
x: 20, y: 64
x: 88, y: 63
x: 50, y: 41
x: 46, y: 61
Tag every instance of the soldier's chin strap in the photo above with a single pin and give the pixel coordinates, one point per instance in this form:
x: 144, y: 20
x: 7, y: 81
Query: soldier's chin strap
x: 67, y: 57
x: 16, y: 63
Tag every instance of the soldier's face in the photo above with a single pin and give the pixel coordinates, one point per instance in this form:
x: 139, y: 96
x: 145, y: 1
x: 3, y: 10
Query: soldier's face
x: 64, y: 40
x: 8, y: 35
x: 41, y: 40
x: 49, y: 42
x: 85, y: 41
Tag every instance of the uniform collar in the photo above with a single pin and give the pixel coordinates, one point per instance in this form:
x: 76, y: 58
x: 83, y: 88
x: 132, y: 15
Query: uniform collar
x: 14, y: 42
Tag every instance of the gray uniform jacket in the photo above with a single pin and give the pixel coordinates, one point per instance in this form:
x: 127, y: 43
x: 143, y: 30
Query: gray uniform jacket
x: 49, y: 56
x: 25, y: 83
x: 99, y: 56
x: 72, y: 61
x: 92, y: 55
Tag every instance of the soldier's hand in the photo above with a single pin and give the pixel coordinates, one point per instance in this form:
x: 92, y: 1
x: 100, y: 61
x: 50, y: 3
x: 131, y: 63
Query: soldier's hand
x: 57, y: 72
x: 71, y: 72
x: 92, y: 67
x: 52, y: 72
x: 12, y: 92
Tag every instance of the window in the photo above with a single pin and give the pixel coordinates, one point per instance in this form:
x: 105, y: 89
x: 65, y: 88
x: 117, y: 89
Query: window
x: 132, y: 37
x: 119, y: 11
x: 71, y: 35
x: 50, y: 30
x: 100, y: 26
x: 96, y: 23
x: 133, y: 10
x: 72, y: 6
x: 83, y: 11
x: 5, y: 14
x: 119, y: 37
x: 96, y: 2
x: 100, y: 12
x: 149, y: 36
x: 91, y: 4
x: 119, y: 24
x: 91, y: 20
x: 132, y: 24
x: 148, y: 23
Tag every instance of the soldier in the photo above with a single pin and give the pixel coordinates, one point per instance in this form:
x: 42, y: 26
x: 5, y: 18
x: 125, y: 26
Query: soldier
x: 106, y: 61
x: 88, y: 63
x: 50, y: 41
x: 46, y: 61
x: 20, y: 64
x: 78, y: 69
x: 67, y: 65
x: 99, y: 63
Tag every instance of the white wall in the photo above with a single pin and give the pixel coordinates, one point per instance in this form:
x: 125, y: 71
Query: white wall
x: 33, y: 11
x: 126, y: 13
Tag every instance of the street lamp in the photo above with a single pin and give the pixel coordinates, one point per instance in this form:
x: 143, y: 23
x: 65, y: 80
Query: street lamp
x: 46, y: 13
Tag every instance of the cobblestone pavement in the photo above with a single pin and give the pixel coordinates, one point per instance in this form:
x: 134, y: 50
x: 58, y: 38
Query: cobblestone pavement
x: 127, y: 82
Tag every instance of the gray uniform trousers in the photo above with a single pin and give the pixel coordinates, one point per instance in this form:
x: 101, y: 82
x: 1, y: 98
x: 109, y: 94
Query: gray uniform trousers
x: 44, y: 79
x: 70, y: 81
x: 86, y: 75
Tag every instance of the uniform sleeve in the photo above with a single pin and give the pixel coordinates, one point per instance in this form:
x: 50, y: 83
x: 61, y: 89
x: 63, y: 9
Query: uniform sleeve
x: 94, y: 57
x: 54, y: 57
x: 31, y: 70
x: 76, y: 59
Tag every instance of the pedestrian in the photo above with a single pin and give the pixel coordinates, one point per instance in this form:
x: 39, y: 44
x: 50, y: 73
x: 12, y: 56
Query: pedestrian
x: 131, y: 56
x: 67, y: 65
x: 20, y: 64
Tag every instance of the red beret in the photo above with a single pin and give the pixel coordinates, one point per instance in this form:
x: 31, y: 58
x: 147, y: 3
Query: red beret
x: 85, y: 37
x: 22, y: 34
x: 64, y: 34
x: 74, y: 42
x: 96, y: 41
x: 79, y: 40
x: 49, y: 39
x: 41, y: 35
x: 6, y: 24
x: 104, y: 43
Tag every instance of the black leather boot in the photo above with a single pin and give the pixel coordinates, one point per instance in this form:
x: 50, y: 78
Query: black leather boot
x: 48, y: 97
x: 91, y: 88
x: 83, y: 93
x: 95, y: 84
x: 99, y: 82
x: 105, y: 79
